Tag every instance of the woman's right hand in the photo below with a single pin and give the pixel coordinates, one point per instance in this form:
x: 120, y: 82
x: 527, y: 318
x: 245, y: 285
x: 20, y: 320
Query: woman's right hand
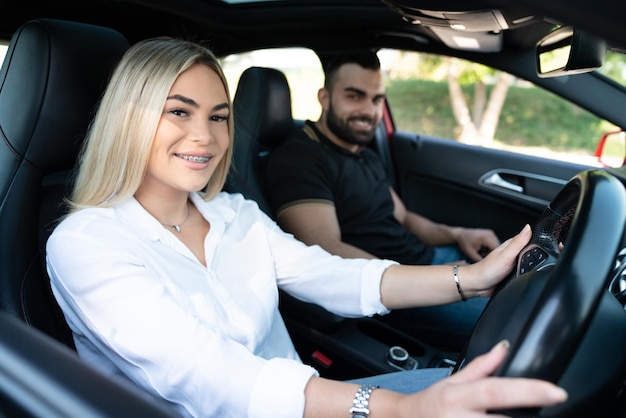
x: 483, y: 276
x: 472, y: 391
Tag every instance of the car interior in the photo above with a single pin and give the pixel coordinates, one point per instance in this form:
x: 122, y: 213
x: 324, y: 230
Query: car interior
x: 41, y: 147
x: 41, y: 138
x: 323, y: 338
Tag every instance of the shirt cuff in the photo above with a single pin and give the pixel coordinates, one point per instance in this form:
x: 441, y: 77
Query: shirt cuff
x: 372, y: 274
x: 279, y: 390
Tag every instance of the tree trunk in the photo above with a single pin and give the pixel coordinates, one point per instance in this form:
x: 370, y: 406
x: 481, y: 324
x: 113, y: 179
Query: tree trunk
x: 480, y: 98
x: 489, y: 123
x: 459, y: 105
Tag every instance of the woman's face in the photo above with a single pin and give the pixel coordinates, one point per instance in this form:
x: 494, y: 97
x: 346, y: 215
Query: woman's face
x: 192, y: 135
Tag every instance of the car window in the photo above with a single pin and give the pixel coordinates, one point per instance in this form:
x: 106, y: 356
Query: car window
x: 527, y: 120
x: 301, y: 67
x: 614, y: 67
x: 4, y: 45
x: 471, y: 103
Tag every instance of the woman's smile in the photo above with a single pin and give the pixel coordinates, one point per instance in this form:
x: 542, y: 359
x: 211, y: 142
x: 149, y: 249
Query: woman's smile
x: 197, y: 161
x: 193, y: 158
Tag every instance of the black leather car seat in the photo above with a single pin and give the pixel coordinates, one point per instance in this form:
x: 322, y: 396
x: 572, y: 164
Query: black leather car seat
x: 263, y: 119
x: 51, y: 79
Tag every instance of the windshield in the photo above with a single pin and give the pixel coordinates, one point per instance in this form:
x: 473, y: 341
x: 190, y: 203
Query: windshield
x: 614, y: 67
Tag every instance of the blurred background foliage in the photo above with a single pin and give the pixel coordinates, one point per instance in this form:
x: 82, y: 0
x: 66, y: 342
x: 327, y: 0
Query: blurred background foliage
x: 417, y: 90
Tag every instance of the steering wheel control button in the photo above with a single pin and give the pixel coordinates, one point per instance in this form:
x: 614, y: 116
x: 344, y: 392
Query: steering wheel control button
x: 399, y: 358
x: 539, y: 254
x: 532, y: 259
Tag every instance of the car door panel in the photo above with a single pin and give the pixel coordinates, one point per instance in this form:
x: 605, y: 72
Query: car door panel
x: 460, y: 184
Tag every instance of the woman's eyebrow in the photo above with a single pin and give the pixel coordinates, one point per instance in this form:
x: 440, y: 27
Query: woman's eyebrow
x: 183, y: 99
x: 221, y: 106
x: 193, y: 103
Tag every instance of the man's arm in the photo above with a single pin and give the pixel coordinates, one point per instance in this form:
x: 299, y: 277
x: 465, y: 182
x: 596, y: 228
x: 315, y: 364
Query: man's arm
x: 471, y: 241
x: 317, y: 223
x: 431, y: 233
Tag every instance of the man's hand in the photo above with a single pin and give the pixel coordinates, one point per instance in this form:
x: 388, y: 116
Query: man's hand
x: 476, y: 243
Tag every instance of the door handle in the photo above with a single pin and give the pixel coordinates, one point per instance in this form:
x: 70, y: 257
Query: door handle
x: 496, y: 180
x: 533, y: 187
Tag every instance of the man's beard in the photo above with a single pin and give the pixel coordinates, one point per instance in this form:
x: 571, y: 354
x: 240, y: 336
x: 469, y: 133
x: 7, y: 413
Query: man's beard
x: 342, y: 128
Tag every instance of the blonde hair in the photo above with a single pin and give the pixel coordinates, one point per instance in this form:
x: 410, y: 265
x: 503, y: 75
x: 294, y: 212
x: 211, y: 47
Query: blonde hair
x: 115, y: 154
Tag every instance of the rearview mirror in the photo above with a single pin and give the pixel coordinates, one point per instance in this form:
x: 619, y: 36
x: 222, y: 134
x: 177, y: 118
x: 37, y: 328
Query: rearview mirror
x: 569, y: 51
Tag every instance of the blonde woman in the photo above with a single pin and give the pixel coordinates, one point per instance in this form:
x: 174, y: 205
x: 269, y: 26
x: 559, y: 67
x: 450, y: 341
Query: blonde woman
x: 172, y: 284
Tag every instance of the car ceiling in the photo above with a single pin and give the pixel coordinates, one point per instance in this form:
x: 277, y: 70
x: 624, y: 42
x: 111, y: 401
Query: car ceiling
x: 350, y: 22
x: 605, y: 18
x: 237, y: 27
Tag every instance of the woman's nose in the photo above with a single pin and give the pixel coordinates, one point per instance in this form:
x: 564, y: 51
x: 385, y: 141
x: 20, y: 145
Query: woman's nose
x: 201, y: 132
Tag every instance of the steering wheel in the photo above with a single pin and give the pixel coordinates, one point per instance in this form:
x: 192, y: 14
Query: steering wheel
x: 563, y: 324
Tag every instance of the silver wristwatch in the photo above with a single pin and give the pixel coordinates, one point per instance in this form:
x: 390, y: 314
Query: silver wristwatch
x: 361, y: 401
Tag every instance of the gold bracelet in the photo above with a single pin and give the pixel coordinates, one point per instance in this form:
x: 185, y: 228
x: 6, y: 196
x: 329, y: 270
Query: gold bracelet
x: 455, y: 269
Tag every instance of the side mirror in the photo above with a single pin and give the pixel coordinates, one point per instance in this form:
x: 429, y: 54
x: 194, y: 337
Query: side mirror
x: 611, y: 150
x: 567, y: 50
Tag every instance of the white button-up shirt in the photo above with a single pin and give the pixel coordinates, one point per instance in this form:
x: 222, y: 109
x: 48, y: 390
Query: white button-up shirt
x: 209, y: 339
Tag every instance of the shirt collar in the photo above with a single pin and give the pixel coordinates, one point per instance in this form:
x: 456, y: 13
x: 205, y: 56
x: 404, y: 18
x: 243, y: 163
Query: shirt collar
x: 213, y: 209
x: 316, y: 135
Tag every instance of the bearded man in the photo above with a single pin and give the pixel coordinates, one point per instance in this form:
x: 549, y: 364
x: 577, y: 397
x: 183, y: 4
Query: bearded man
x: 328, y: 188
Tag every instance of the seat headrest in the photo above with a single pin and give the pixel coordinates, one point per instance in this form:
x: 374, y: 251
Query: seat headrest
x: 53, y: 74
x: 262, y: 106
x: 51, y: 80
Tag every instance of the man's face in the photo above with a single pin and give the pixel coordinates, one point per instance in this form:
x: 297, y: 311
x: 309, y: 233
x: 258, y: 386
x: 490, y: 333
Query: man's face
x: 355, y: 104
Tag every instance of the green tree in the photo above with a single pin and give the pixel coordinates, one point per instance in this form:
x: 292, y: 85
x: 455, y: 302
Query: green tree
x: 476, y: 93
x: 479, y: 125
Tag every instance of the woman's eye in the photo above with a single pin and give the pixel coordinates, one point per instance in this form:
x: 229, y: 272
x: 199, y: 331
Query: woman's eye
x: 219, y: 118
x: 178, y: 112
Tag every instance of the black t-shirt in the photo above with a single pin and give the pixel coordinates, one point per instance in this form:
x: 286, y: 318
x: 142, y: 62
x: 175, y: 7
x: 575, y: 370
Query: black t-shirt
x: 308, y: 167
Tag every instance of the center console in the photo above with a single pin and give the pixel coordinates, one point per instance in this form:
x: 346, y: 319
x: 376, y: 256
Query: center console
x: 349, y: 348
